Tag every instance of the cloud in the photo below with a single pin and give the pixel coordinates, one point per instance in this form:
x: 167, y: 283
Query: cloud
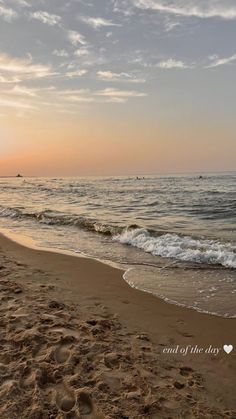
x: 224, y: 9
x: 119, y: 96
x: 22, y: 3
x: 6, y: 103
x: 21, y: 69
x: 25, y: 98
x: 98, y: 22
x: 75, y: 96
x: 116, y: 77
x: 107, y: 95
x: 23, y: 91
x: 60, y: 53
x: 216, y: 61
x: 8, y: 80
x: 7, y: 13
x: 81, y: 52
x: 77, y: 73
x: 171, y: 63
x: 124, y: 7
x: 170, y: 25
x: 117, y: 100
x: 76, y: 38
x: 73, y: 92
x: 81, y: 99
x: 47, y: 18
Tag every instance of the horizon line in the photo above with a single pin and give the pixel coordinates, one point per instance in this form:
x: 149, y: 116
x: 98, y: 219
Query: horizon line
x: 121, y: 175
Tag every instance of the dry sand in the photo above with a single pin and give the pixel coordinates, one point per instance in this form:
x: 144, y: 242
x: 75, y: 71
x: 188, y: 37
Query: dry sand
x: 77, y: 342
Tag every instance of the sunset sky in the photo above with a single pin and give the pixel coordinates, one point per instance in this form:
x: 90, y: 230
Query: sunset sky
x: 102, y: 87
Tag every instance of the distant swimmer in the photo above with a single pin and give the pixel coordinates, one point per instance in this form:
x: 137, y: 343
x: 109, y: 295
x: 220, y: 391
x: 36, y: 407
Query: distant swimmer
x: 19, y: 175
x: 200, y: 177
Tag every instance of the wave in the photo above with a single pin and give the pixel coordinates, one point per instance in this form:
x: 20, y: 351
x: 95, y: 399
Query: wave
x: 49, y: 217
x: 184, y: 248
x: 164, y: 244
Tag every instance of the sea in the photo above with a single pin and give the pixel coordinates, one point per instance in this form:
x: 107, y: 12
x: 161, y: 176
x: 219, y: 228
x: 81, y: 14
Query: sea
x: 173, y: 235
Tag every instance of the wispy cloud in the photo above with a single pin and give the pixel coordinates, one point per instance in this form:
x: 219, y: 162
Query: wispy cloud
x: 78, y: 98
x: 23, y: 91
x: 76, y: 38
x: 170, y: 25
x: 98, y: 22
x: 62, y: 53
x: 22, y: 3
x: 16, y: 104
x: 119, y: 96
x: 172, y: 63
x: 47, y: 18
x: 225, y: 9
x: 7, y: 13
x: 70, y: 97
x: 77, y: 73
x: 8, y: 80
x: 81, y: 52
x: 106, y: 95
x: 25, y: 98
x: 119, y: 77
x: 22, y: 69
x: 217, y: 61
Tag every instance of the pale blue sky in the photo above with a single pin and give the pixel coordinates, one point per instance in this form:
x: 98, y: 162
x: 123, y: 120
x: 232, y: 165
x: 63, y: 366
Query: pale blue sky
x: 119, y: 50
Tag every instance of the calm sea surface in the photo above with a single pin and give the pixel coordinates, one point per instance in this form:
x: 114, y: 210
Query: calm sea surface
x: 174, y: 235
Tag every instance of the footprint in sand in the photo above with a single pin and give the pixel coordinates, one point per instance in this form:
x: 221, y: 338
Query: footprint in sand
x: 62, y: 354
x: 85, y: 404
x: 87, y: 409
x: 186, y: 371
x: 65, y: 399
x: 82, y: 408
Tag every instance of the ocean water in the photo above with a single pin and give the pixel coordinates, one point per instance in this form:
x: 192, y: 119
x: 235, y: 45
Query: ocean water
x: 174, y: 235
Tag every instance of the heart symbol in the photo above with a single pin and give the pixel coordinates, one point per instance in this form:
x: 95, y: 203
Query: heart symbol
x: 228, y: 348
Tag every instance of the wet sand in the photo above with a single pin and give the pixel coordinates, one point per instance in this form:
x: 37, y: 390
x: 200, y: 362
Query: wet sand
x: 77, y: 342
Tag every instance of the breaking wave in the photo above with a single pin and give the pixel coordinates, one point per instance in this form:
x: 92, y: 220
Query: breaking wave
x: 168, y: 245
x: 181, y: 248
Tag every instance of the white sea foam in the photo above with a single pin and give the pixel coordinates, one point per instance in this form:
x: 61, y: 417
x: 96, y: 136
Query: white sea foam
x: 181, y: 248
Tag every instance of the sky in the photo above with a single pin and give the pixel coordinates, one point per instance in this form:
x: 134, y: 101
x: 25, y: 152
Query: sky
x: 111, y: 87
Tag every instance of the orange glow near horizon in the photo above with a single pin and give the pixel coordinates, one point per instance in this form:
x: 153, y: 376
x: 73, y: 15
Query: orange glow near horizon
x: 62, y: 147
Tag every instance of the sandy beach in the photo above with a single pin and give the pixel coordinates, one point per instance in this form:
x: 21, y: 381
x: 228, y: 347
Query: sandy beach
x: 117, y: 209
x: 77, y: 342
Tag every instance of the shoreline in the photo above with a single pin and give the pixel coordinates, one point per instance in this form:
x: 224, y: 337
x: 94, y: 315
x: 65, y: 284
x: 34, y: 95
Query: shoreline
x: 88, y: 283
x: 29, y: 243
